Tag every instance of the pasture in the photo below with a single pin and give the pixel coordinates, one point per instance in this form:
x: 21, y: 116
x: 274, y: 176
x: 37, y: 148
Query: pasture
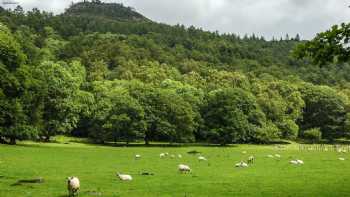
x: 323, y: 174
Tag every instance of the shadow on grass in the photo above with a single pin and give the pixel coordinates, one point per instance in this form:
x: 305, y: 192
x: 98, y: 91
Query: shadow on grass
x: 334, y: 142
x: 140, y: 144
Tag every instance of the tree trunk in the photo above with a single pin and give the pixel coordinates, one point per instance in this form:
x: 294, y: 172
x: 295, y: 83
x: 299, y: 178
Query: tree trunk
x: 146, y: 140
x: 12, y: 141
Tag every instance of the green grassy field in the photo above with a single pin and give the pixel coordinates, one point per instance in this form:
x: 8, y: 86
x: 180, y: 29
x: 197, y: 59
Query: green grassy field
x: 321, y: 175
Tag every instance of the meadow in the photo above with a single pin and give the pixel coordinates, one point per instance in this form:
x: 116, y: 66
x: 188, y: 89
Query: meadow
x: 323, y: 174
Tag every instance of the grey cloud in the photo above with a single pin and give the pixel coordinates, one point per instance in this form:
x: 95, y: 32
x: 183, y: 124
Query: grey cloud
x: 262, y: 17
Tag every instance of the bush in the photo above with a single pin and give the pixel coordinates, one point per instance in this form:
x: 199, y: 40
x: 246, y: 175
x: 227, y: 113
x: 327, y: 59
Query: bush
x: 313, y: 134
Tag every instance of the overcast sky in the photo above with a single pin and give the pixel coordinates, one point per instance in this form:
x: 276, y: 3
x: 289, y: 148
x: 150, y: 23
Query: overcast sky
x: 262, y: 17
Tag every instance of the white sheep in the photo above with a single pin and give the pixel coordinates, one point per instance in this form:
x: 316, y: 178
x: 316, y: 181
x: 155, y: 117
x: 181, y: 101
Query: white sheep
x: 179, y: 156
x: 241, y: 165
x: 124, y: 177
x: 270, y: 156
x: 166, y: 154
x: 201, y: 158
x: 73, y: 186
x: 277, y: 155
x: 184, y: 168
x: 244, y: 152
x: 162, y: 155
x: 251, y: 159
x: 137, y: 156
x: 294, y: 162
x: 300, y: 161
x: 342, y: 159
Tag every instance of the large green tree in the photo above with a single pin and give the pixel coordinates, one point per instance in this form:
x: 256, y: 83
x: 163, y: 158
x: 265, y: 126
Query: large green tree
x: 324, y: 109
x: 58, y: 96
x: 14, y: 122
x: 233, y: 115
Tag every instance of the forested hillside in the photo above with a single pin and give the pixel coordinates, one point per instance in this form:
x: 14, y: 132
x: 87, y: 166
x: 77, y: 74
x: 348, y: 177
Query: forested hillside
x: 106, y: 72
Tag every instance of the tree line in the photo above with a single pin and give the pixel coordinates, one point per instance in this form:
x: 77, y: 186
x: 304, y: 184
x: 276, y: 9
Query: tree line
x: 130, y: 80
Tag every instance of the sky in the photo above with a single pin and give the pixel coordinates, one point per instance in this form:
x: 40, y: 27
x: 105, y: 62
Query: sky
x: 268, y: 18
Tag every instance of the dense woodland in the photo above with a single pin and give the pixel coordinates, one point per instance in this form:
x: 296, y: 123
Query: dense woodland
x: 106, y: 72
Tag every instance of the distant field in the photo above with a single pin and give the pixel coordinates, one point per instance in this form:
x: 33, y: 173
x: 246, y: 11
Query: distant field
x: 321, y: 175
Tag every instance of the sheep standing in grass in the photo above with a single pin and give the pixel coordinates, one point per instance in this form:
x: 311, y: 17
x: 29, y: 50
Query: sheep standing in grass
x: 342, y: 159
x: 277, y: 155
x: 137, y: 156
x: 270, y: 156
x: 179, y: 156
x: 251, y: 160
x: 73, y: 186
x: 124, y: 177
x: 201, y: 158
x: 241, y: 165
x: 162, y: 155
x: 294, y: 162
x: 300, y: 161
x: 297, y: 162
x: 184, y: 168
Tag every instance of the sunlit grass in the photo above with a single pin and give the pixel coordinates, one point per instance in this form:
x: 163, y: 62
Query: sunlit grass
x: 321, y: 175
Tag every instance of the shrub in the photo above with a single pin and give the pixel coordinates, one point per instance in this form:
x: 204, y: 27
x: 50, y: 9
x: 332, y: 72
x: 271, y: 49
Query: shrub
x: 313, y: 134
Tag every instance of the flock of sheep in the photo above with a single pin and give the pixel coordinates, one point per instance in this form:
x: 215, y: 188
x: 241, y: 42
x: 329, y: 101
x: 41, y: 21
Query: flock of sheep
x: 74, y: 183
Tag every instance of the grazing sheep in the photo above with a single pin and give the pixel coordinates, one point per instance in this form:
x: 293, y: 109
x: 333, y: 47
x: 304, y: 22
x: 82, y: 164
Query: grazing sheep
x: 277, y: 155
x: 251, y: 160
x: 73, y: 186
x: 184, y: 168
x: 201, y: 158
x: 244, y: 152
x: 124, y: 177
x: 137, y: 156
x: 342, y: 159
x: 241, y: 165
x: 179, y: 156
x: 270, y: 156
x: 300, y: 161
x: 166, y: 154
x: 294, y: 162
x: 162, y: 155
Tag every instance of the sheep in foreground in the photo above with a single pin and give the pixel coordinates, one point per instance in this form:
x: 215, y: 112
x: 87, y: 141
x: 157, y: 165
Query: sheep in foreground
x: 137, y: 156
x: 241, y: 165
x: 251, y: 160
x: 201, y: 158
x: 162, y: 155
x: 184, y: 168
x: 73, y: 186
x: 124, y: 177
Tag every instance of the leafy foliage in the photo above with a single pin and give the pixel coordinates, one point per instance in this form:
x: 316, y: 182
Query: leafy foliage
x: 104, y: 71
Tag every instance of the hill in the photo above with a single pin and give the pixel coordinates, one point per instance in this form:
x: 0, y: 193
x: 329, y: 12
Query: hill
x: 113, y: 11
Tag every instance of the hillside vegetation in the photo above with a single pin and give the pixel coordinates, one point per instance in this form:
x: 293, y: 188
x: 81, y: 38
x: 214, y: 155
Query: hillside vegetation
x: 104, y: 71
